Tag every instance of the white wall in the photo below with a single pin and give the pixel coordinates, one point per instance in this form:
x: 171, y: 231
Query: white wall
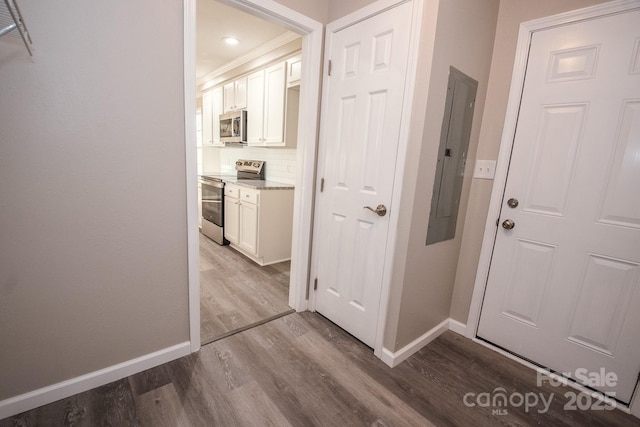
x: 423, y: 276
x: 93, y: 263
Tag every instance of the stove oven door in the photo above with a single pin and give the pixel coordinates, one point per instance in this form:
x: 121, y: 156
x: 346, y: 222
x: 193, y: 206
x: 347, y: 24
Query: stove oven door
x: 212, y: 206
x: 213, y: 210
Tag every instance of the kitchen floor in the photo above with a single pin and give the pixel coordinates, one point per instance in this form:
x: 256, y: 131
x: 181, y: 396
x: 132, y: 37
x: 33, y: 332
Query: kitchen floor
x: 236, y: 293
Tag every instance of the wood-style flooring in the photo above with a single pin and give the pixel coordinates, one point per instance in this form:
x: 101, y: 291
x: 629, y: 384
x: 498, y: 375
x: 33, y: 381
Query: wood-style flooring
x: 302, y: 370
x: 236, y: 293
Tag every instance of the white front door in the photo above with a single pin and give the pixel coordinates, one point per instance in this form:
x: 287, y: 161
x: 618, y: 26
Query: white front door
x: 564, y: 283
x: 361, y: 127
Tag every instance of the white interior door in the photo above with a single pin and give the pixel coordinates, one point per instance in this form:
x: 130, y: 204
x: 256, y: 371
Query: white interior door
x: 564, y: 283
x: 361, y: 126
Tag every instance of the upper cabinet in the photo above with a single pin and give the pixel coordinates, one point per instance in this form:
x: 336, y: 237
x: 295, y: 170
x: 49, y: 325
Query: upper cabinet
x: 294, y: 71
x: 271, y: 98
x: 207, y: 118
x: 211, y: 110
x: 235, y: 95
x: 255, y: 108
x: 265, y: 107
x: 274, y: 99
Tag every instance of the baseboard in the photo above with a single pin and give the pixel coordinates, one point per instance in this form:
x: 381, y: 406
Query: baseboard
x: 457, y: 327
x: 394, y: 359
x: 33, y: 399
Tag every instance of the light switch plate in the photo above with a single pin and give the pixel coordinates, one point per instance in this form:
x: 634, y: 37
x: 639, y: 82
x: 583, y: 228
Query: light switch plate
x: 484, y: 169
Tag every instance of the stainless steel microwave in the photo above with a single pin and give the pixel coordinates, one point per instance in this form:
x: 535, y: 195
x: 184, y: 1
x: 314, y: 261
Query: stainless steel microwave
x: 233, y: 127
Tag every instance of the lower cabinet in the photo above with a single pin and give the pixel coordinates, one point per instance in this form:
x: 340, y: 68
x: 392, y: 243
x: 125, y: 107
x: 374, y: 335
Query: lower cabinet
x: 231, y: 218
x: 259, y: 223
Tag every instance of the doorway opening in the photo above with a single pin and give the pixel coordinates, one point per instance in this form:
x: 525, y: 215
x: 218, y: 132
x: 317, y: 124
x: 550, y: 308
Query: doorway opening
x: 236, y: 291
x: 208, y: 263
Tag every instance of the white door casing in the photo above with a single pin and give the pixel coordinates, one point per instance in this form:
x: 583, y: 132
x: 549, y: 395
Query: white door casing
x: 564, y: 284
x: 360, y: 136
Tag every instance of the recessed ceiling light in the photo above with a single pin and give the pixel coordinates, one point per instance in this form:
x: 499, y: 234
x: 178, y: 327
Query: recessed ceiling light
x: 230, y: 40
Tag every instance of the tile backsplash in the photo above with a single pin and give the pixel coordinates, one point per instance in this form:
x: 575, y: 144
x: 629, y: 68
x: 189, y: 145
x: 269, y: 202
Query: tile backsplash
x: 280, y: 166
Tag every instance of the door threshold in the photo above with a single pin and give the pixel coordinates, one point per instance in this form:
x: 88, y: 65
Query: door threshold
x: 569, y: 382
x: 249, y: 326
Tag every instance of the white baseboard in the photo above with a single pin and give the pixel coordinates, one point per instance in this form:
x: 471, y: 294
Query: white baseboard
x: 33, y: 399
x: 457, y: 327
x: 394, y: 359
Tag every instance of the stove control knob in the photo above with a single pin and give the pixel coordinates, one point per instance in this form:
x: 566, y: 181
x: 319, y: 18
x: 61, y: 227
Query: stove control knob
x: 238, y: 163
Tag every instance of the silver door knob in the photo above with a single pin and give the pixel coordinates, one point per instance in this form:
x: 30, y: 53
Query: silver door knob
x: 508, y: 224
x: 381, y: 210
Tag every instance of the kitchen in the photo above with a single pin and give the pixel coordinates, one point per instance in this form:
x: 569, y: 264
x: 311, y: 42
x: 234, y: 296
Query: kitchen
x: 248, y: 99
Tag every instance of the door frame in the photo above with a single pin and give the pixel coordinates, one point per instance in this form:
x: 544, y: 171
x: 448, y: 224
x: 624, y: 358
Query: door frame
x: 403, y: 144
x: 527, y: 29
x: 311, y: 32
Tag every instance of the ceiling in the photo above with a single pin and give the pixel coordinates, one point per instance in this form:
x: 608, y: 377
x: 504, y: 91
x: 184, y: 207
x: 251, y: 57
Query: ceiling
x: 214, y: 21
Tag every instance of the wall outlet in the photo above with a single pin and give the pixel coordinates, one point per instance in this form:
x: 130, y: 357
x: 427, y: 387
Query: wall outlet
x: 484, y: 169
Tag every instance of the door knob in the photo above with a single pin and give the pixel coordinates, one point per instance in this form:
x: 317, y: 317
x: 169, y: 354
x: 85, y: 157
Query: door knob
x: 381, y: 210
x: 508, y: 224
x: 513, y: 203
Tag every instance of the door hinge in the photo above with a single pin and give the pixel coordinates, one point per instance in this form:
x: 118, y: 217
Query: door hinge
x: 315, y: 284
x: 329, y: 67
x: 321, y: 185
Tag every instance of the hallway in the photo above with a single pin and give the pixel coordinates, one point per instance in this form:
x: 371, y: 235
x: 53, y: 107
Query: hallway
x: 302, y: 370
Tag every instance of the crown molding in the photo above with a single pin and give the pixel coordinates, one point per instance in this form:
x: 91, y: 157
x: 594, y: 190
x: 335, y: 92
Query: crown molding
x: 261, y: 50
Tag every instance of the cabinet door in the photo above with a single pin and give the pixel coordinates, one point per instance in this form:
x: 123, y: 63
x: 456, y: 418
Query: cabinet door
x: 240, y: 96
x: 294, y: 71
x: 217, y: 109
x: 232, y: 220
x: 207, y: 118
x: 249, y: 227
x: 274, y: 93
x: 255, y: 108
x: 229, y: 97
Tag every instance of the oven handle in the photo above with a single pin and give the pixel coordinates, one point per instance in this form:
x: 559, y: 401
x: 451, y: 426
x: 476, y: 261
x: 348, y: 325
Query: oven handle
x: 215, y: 184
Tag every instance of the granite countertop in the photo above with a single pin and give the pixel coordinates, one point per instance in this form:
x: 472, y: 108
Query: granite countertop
x: 256, y: 184
x: 259, y: 184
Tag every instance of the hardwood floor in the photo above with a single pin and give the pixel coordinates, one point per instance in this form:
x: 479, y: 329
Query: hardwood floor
x: 301, y: 370
x: 236, y: 293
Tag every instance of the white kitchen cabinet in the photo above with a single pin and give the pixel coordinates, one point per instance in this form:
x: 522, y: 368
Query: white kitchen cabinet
x: 249, y: 227
x: 217, y: 109
x: 211, y: 110
x: 232, y: 214
x: 274, y: 98
x: 255, y: 108
x: 259, y: 223
x: 207, y: 118
x: 294, y: 71
x: 235, y: 95
x: 265, y: 106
